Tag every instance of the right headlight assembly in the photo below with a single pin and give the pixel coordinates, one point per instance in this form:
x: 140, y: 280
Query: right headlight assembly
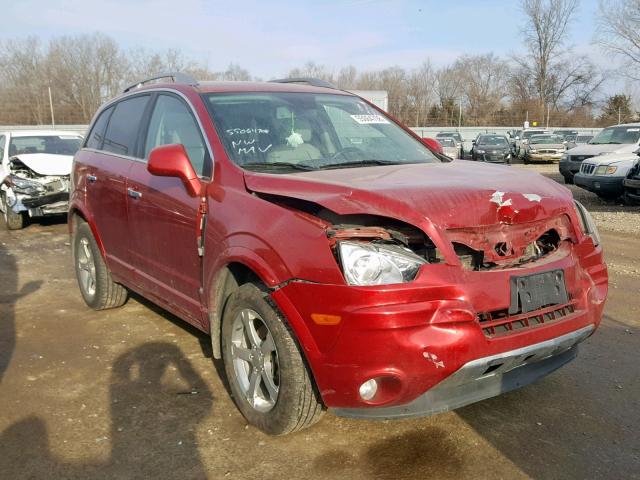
x: 378, y: 264
x: 587, y: 223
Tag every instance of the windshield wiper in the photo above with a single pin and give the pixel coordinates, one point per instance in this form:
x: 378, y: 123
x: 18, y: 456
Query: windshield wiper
x: 359, y: 163
x: 276, y: 166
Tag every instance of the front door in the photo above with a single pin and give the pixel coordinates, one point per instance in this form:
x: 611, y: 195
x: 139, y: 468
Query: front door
x: 163, y: 217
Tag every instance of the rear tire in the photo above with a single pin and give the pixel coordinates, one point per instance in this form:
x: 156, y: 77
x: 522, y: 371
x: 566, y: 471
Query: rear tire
x: 12, y: 220
x: 98, y: 289
x: 270, y: 383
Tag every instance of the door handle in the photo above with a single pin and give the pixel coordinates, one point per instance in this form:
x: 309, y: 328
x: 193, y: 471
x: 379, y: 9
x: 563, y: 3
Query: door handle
x: 133, y: 193
x: 91, y: 178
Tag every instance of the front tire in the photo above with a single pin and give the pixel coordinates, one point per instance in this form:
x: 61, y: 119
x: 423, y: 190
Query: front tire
x: 12, y: 220
x: 98, y: 289
x: 268, y: 378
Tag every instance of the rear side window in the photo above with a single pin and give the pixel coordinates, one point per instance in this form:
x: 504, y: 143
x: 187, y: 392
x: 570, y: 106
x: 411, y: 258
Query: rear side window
x: 124, y: 125
x: 96, y: 135
x: 172, y: 122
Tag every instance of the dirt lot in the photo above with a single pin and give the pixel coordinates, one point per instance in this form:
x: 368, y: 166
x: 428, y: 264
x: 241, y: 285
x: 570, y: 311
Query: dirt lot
x: 131, y: 393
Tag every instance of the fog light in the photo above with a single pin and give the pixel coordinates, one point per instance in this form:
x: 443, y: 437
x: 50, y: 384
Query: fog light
x: 368, y: 389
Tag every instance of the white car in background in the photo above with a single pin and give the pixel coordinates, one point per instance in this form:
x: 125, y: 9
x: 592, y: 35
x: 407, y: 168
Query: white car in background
x: 35, y: 166
x: 449, y: 147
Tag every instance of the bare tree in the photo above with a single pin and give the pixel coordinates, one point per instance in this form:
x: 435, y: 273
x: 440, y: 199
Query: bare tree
x: 545, y: 33
x: 618, y: 32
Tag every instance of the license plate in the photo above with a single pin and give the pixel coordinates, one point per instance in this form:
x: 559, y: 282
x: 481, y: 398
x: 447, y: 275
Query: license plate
x: 536, y: 291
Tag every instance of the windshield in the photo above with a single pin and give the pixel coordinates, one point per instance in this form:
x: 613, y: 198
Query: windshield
x: 493, y: 141
x: 54, y: 144
x: 454, y: 135
x: 584, y: 138
x: 530, y: 133
x: 546, y: 139
x: 305, y: 131
x: 617, y: 135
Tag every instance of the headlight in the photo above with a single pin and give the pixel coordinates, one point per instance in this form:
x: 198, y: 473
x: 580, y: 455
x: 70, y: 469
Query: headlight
x: 606, y: 170
x: 533, y: 150
x: 587, y: 223
x: 563, y: 158
x: 373, y: 264
x: 480, y: 151
x: 24, y: 185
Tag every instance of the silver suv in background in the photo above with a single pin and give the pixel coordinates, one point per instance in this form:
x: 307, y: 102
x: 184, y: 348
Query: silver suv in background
x: 616, y: 139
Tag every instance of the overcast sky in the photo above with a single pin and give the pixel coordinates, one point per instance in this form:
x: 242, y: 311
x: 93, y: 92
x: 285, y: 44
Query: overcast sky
x: 270, y: 37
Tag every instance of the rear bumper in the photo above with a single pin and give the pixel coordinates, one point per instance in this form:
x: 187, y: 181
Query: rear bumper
x: 485, y: 378
x: 604, y: 185
x: 414, y: 336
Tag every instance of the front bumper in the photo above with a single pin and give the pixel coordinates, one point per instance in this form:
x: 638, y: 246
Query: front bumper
x: 603, y: 185
x: 543, y: 157
x: 415, y: 336
x: 494, y: 157
x: 485, y: 378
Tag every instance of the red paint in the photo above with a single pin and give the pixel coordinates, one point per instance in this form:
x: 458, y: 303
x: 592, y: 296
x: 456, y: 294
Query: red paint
x: 433, y: 144
x: 150, y: 244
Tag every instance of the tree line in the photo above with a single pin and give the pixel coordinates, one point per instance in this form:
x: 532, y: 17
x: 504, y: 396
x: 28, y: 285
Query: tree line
x: 69, y: 77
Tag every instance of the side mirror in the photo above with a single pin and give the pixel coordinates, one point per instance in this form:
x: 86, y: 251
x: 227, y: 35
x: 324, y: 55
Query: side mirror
x: 473, y: 142
x: 173, y: 161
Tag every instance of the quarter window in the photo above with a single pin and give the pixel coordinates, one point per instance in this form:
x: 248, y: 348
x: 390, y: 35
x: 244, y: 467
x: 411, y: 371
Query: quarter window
x: 123, y: 126
x: 96, y: 136
x: 172, y: 122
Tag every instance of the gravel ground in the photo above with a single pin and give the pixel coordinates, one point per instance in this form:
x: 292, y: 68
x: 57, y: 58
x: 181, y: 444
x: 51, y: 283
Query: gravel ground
x: 609, y: 215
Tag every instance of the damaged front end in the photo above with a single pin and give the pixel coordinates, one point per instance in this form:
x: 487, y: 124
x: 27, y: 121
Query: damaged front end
x: 37, y: 194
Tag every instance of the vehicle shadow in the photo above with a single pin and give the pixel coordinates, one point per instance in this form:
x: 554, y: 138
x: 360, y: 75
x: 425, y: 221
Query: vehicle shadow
x: 576, y: 423
x: 9, y: 295
x: 157, y: 401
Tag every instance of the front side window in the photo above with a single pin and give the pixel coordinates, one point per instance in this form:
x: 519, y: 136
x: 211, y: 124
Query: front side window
x: 96, y: 135
x: 172, y: 122
x: 304, y: 131
x: 617, y: 135
x: 52, y: 144
x: 124, y: 125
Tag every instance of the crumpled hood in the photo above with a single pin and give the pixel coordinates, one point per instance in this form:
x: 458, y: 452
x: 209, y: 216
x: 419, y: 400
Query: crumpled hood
x: 448, y: 195
x: 595, y: 149
x: 47, y: 163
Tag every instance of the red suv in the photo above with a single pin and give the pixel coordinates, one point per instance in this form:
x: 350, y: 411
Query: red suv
x: 336, y: 261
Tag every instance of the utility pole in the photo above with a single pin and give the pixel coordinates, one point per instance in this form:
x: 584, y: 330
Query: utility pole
x: 548, y: 114
x: 459, y: 114
x: 619, y: 115
x: 53, y: 119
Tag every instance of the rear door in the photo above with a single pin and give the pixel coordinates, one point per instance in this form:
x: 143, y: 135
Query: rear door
x: 103, y: 167
x: 163, y: 217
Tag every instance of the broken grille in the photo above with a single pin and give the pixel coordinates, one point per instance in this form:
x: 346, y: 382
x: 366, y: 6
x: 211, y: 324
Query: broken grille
x: 500, y: 323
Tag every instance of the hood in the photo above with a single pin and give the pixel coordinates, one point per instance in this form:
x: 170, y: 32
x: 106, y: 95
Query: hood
x: 47, y: 163
x: 595, y: 149
x: 612, y: 158
x: 448, y: 195
x: 494, y: 147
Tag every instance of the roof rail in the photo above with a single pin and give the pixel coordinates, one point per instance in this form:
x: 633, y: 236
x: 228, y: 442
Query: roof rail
x: 314, y: 82
x: 177, y: 77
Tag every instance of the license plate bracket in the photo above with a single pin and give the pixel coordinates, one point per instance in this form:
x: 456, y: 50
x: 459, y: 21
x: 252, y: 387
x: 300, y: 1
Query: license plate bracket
x: 536, y: 291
